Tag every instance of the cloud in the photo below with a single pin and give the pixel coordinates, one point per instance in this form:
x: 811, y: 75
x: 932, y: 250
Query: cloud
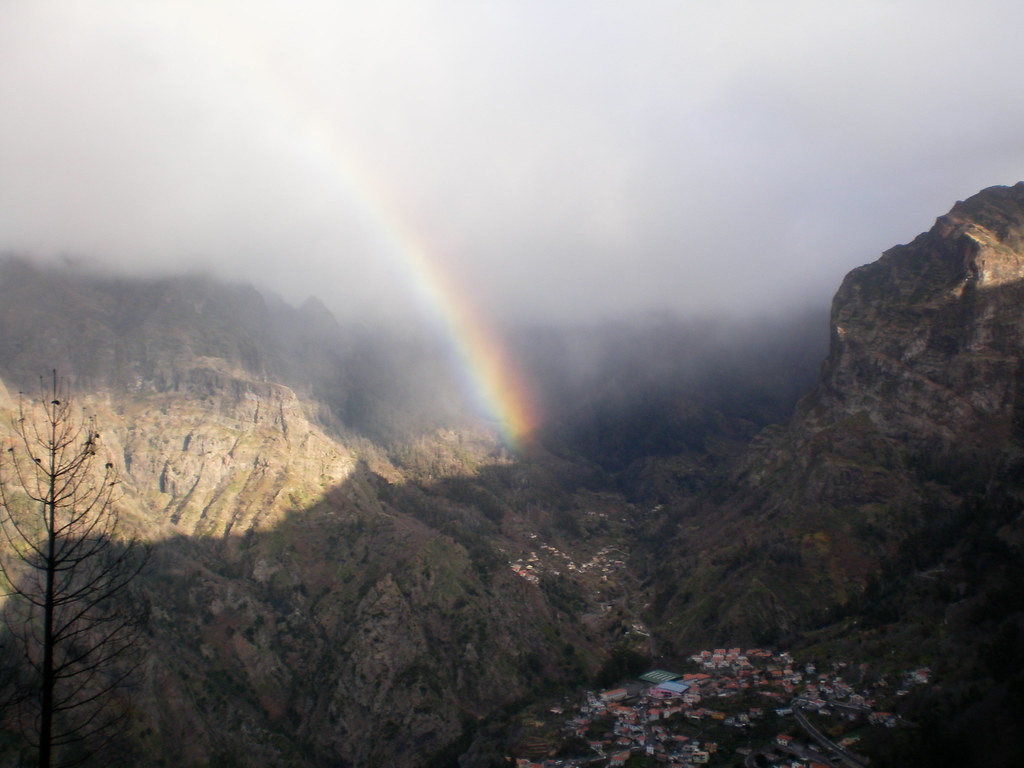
x: 567, y: 159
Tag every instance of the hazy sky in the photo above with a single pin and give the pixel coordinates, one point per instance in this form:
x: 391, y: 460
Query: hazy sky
x: 562, y: 157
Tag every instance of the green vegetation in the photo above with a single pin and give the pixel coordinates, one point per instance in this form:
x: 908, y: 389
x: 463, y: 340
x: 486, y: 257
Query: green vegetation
x: 623, y: 663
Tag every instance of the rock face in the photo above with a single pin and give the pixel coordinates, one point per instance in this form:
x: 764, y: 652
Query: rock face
x: 309, y: 600
x: 927, y: 341
x: 319, y: 597
x: 236, y: 462
x: 914, y: 426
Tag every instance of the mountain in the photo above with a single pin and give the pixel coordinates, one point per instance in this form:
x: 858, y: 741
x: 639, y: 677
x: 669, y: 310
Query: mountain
x: 349, y: 568
x: 927, y: 340
x: 332, y: 530
x: 887, y: 513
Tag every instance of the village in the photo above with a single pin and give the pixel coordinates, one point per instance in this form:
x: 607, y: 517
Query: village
x: 754, y: 707
x: 603, y: 563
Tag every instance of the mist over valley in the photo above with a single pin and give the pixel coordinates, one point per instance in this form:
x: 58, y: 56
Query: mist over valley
x: 430, y: 384
x: 344, y: 538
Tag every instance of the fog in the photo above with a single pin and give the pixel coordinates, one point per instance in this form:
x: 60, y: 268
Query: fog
x: 574, y: 159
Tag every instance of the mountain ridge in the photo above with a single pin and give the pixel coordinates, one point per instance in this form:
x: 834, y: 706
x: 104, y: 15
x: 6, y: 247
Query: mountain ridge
x: 905, y: 459
x: 343, y: 549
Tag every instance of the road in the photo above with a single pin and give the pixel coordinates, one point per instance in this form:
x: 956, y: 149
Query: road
x: 851, y: 759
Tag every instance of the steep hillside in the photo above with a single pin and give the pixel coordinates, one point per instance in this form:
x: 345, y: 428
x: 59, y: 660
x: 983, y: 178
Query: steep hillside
x: 149, y: 336
x: 887, y: 514
x: 350, y: 569
x: 302, y: 595
x: 927, y: 340
x: 314, y: 597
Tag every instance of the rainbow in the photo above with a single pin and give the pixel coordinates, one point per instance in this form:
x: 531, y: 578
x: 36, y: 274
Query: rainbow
x: 484, y: 362
x: 485, y: 365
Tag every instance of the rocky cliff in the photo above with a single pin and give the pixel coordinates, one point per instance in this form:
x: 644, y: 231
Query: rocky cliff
x: 333, y: 532
x: 927, y: 340
x: 918, y: 409
x: 888, y: 514
x: 314, y: 597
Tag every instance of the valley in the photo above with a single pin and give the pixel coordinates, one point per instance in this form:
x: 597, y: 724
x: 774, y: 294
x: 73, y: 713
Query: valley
x: 351, y: 566
x: 749, y: 707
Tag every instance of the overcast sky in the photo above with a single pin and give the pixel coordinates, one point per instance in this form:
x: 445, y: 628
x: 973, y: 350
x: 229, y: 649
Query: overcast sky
x: 556, y: 157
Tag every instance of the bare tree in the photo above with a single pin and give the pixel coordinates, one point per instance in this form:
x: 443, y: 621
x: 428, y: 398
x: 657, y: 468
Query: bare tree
x: 65, y: 568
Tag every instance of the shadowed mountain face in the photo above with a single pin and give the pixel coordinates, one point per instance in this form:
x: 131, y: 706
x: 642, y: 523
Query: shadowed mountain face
x: 313, y: 599
x: 906, y: 459
x: 137, y: 336
x: 927, y: 340
x: 920, y: 398
x: 350, y: 569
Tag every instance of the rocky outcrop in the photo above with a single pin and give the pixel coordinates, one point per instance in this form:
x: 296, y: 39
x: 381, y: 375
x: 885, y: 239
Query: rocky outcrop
x: 927, y: 341
x: 304, y: 606
x: 916, y: 420
x: 316, y: 598
x: 335, y: 637
x: 313, y: 598
x: 223, y: 454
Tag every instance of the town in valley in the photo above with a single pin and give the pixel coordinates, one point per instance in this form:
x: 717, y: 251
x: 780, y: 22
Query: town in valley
x: 731, y: 707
